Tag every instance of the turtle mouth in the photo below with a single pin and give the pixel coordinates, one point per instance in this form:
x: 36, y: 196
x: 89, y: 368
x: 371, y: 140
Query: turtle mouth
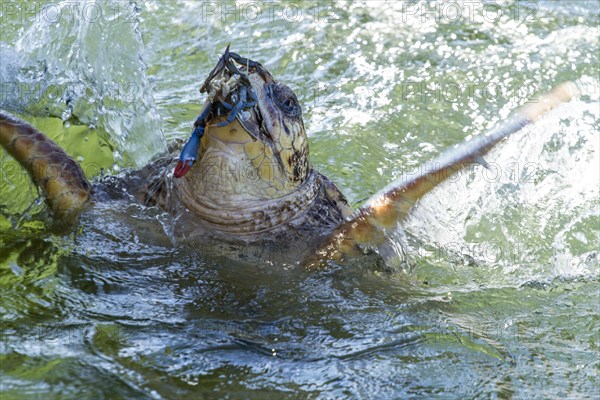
x: 231, y: 97
x: 231, y: 93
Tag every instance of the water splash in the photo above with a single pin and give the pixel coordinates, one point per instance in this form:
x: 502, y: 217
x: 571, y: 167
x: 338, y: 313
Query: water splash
x: 531, y: 215
x: 81, y: 62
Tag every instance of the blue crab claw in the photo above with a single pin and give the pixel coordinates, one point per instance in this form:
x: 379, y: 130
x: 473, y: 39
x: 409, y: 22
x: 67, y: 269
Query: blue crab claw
x: 190, y: 149
x: 189, y: 153
x: 182, y: 168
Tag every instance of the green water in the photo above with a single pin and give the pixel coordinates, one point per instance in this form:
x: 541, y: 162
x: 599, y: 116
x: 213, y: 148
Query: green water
x: 501, y: 299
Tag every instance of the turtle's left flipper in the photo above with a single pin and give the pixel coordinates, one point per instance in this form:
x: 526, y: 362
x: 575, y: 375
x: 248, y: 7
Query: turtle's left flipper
x: 60, y: 178
x: 367, y: 229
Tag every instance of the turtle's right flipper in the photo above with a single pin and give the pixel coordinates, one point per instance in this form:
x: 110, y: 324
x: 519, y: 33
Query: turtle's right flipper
x: 385, y: 210
x: 60, y: 178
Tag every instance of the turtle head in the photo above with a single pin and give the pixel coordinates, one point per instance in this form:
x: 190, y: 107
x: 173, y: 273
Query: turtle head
x: 249, y: 139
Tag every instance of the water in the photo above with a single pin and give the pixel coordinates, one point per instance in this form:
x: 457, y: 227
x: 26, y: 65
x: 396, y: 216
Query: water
x: 502, y: 299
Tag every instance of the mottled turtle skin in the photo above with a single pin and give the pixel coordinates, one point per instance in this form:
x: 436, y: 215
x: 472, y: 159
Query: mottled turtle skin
x: 251, y: 182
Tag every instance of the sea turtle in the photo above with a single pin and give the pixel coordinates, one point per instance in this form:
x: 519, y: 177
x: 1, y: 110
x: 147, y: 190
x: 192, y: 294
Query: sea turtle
x: 244, y: 174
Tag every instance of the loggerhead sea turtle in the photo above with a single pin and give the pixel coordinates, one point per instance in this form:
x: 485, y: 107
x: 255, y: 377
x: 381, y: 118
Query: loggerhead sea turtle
x: 251, y: 123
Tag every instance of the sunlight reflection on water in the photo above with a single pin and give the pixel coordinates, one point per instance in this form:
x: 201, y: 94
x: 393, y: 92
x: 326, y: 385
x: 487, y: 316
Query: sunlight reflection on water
x: 502, y: 300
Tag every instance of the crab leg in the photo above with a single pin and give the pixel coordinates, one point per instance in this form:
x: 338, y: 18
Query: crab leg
x: 241, y: 104
x: 60, y: 178
x: 249, y: 64
x: 221, y: 64
x: 232, y: 68
x: 393, y: 204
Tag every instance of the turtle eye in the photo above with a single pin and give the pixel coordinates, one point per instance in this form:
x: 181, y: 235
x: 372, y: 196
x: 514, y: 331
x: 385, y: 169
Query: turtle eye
x: 286, y: 100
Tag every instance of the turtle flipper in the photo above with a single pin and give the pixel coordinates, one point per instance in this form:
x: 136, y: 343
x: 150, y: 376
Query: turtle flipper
x: 60, y: 178
x: 367, y: 229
